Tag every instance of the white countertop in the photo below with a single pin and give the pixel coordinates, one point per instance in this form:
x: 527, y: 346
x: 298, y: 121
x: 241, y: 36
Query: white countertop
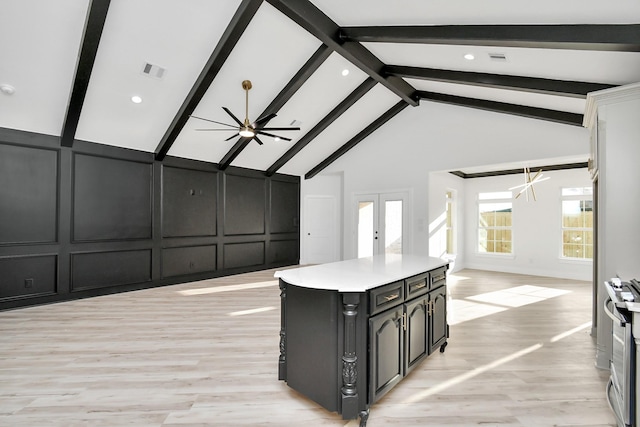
x: 358, y: 275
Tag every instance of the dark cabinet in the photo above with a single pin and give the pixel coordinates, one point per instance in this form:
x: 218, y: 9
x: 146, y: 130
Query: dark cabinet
x: 417, y: 342
x: 438, y: 328
x: 401, y: 337
x: 345, y: 349
x: 387, y: 338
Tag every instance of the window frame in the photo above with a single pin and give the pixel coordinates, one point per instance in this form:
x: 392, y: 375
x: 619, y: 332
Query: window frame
x: 450, y: 222
x: 582, y: 198
x: 505, y: 197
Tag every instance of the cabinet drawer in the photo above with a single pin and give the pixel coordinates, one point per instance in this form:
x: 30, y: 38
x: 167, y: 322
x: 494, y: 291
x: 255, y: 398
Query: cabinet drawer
x: 438, y: 277
x: 386, y: 296
x: 417, y: 285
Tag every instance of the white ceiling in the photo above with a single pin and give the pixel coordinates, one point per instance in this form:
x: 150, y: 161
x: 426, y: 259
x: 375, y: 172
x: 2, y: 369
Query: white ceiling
x: 41, y: 41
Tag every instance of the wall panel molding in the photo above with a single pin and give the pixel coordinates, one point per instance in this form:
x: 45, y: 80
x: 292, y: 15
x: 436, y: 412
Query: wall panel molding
x: 189, y: 202
x: 181, y: 261
x: 28, y: 276
x: 112, y: 199
x: 91, y: 270
x: 108, y: 207
x: 244, y: 254
x: 29, y: 194
x: 244, y: 205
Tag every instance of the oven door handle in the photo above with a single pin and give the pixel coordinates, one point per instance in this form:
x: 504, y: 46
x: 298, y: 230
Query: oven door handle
x: 616, y: 320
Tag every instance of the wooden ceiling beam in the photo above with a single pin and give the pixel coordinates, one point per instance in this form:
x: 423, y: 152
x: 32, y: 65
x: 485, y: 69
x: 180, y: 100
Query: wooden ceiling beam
x: 346, y: 103
x: 312, y: 19
x: 603, y: 37
x: 306, y: 71
x: 502, y: 107
x: 94, y: 24
x: 238, y: 24
x: 546, y: 168
x: 385, y: 117
x: 499, y: 81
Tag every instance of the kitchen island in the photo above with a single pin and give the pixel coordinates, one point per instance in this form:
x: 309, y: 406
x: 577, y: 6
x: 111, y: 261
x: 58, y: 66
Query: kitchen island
x: 351, y: 330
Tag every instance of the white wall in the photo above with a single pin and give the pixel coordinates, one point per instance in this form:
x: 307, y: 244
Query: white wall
x: 393, y: 158
x: 439, y: 184
x: 536, y: 227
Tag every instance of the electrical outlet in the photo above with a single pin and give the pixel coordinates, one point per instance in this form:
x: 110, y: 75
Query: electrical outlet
x: 28, y: 283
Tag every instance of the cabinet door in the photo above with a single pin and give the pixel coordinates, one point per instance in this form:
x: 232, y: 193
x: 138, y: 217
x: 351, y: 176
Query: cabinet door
x: 417, y: 341
x: 437, y: 318
x: 387, y: 355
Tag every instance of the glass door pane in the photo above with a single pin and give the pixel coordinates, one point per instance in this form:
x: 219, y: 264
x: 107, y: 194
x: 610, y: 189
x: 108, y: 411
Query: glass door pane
x: 393, y: 226
x: 366, y: 228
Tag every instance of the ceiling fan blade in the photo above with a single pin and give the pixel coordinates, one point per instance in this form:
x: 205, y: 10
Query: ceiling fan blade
x: 231, y: 137
x: 222, y: 130
x: 213, y: 121
x: 264, y: 119
x: 232, y: 116
x: 272, y: 135
x: 257, y: 139
x: 288, y: 128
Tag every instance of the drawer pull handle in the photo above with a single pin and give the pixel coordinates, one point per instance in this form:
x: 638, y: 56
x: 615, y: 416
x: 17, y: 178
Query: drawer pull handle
x: 438, y: 278
x: 420, y: 286
x: 391, y: 297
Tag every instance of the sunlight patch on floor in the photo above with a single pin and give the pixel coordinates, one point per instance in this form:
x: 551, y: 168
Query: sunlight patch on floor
x: 518, y: 296
x: 570, y: 332
x: 229, y: 288
x: 459, y: 310
x: 252, y: 311
x: 454, y: 279
x: 476, y: 306
x: 470, y: 374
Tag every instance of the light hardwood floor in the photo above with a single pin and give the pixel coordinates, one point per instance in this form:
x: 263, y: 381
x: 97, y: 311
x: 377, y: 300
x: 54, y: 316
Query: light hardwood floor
x: 205, y: 354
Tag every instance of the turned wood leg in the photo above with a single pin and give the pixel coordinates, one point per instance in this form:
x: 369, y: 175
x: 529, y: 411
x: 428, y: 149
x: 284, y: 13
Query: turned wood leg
x: 349, y: 357
x: 282, y: 360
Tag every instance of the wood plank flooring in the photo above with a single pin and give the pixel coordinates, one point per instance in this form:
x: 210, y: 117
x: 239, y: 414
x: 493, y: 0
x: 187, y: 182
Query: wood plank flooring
x: 205, y: 354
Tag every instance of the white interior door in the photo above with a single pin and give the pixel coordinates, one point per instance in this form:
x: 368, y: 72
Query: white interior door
x: 320, y: 235
x: 381, y: 223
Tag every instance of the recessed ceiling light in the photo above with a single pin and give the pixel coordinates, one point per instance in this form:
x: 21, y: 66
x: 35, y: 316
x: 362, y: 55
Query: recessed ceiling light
x: 277, y: 138
x: 7, y: 89
x: 136, y: 99
x: 469, y: 57
x: 345, y: 72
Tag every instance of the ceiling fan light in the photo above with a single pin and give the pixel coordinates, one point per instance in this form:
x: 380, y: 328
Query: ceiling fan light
x: 246, y: 132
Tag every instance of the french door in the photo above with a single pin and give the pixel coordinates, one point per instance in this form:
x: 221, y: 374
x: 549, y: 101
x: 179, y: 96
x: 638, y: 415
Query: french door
x: 381, y: 223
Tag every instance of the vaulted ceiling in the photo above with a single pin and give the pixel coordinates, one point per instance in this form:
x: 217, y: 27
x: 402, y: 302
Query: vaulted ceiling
x: 71, y: 67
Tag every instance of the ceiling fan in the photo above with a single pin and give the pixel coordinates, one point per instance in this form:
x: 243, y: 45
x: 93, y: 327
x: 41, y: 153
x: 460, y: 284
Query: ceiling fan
x: 247, y: 129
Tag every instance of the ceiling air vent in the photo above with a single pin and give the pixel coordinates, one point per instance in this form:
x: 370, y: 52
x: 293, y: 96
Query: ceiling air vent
x: 154, y: 71
x: 500, y: 57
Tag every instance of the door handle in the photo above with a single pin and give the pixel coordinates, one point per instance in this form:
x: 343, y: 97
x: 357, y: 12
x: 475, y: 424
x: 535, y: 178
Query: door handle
x: 616, y: 320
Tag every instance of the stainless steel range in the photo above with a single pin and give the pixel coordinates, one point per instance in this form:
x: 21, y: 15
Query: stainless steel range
x: 623, y: 307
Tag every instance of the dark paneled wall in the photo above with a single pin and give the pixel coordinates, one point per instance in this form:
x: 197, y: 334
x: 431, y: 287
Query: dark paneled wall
x: 93, y: 219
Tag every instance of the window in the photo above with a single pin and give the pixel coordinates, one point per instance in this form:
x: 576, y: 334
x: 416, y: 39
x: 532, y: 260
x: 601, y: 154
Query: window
x: 494, y: 223
x: 577, y: 223
x: 450, y: 197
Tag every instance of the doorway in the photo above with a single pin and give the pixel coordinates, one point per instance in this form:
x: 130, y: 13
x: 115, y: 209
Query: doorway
x: 320, y: 229
x: 381, y: 223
